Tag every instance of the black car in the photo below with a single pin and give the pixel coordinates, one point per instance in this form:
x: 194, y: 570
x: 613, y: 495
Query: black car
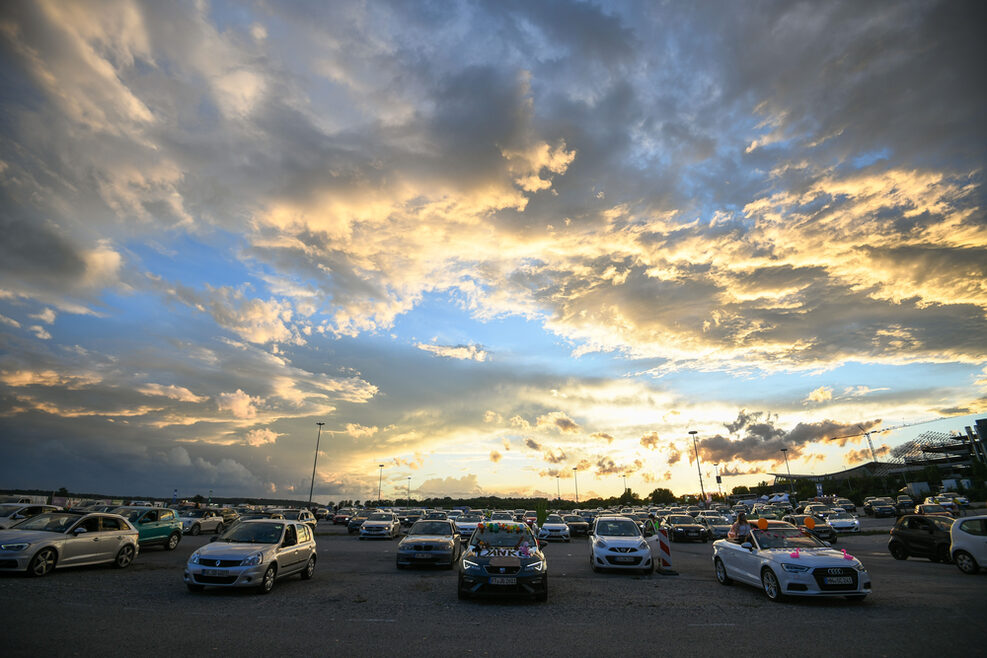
x: 883, y: 509
x: 503, y: 558
x: 408, y: 517
x: 356, y: 521
x: 682, y: 527
x: 904, y: 504
x: 820, y: 529
x: 577, y: 525
x: 921, y: 536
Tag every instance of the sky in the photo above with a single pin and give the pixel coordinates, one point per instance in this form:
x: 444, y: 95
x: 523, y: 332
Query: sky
x: 499, y: 248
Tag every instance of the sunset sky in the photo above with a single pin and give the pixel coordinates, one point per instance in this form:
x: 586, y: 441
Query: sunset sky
x: 484, y: 242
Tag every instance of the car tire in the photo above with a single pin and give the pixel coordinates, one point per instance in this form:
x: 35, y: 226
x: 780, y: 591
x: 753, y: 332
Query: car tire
x: 267, y: 582
x: 125, y: 557
x: 192, y: 587
x: 172, y: 542
x: 219, y: 529
x: 42, y: 563
x: 194, y: 530
x: 771, y: 586
x: 720, y: 570
x: 965, y: 563
x: 898, y: 551
x: 309, y: 569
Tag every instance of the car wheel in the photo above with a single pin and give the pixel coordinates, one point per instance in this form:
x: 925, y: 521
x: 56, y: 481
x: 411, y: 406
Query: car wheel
x: 965, y: 562
x: 267, y: 582
x: 309, y: 569
x: 172, y: 542
x: 219, y: 529
x: 721, y: 572
x: 770, y: 585
x: 194, y: 530
x: 898, y: 551
x: 192, y: 587
x: 125, y: 557
x: 42, y: 563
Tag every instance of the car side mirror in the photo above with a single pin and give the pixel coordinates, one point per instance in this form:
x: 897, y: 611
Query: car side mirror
x: 17, y: 517
x: 748, y: 546
x: 79, y: 531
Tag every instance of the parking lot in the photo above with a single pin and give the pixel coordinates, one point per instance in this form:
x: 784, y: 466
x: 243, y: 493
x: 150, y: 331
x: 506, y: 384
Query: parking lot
x: 361, y: 604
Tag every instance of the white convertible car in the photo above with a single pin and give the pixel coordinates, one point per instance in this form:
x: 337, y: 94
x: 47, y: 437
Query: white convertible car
x: 785, y: 561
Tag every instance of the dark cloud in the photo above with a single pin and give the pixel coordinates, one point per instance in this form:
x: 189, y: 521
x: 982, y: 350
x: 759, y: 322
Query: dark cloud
x: 650, y: 441
x: 531, y: 443
x: 603, y: 436
x: 554, y: 457
x: 607, y: 466
x: 495, y: 456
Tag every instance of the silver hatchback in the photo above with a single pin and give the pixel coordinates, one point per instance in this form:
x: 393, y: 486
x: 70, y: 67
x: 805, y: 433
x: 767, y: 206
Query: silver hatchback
x: 253, y: 553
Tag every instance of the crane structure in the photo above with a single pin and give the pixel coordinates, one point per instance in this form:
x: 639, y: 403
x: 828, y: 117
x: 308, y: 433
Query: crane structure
x: 866, y: 434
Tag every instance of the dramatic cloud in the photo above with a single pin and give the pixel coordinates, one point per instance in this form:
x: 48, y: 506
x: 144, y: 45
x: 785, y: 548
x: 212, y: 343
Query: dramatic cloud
x: 464, y: 352
x: 603, y: 436
x: 558, y: 420
x: 821, y: 394
x: 650, y: 441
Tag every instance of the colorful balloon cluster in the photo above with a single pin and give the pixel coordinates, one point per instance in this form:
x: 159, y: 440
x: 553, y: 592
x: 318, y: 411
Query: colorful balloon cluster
x: 499, y: 527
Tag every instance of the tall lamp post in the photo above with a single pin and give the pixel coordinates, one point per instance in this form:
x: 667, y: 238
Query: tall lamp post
x: 625, y: 486
x: 380, y: 478
x: 409, y: 491
x: 695, y: 446
x: 716, y: 471
x: 791, y: 487
x: 318, y: 439
x: 575, y: 482
x: 558, y: 489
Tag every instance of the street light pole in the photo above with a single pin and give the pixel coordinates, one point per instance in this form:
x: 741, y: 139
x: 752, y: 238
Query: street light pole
x: 318, y: 439
x: 791, y: 484
x: 558, y: 489
x: 695, y: 446
x: 380, y: 478
x: 576, y: 483
x: 409, y: 491
x: 716, y: 471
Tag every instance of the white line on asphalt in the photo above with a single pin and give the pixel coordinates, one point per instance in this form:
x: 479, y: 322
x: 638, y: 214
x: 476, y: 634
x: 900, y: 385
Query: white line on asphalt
x: 713, y: 624
x: 390, y: 621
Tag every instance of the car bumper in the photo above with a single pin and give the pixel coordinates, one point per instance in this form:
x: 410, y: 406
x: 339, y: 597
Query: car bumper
x: 682, y: 536
x: 609, y: 560
x: 10, y: 561
x: 425, y: 558
x: 548, y: 536
x: 196, y: 574
x: 811, y: 585
x: 374, y: 533
x: 508, y: 586
x: 846, y: 531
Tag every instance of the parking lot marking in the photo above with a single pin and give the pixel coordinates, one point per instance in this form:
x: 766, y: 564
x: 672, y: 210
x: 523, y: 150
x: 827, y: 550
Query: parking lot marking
x: 713, y: 624
x: 372, y: 621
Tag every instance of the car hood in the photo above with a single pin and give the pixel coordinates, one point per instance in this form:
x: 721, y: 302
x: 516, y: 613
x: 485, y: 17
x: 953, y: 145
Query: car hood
x: 427, y: 539
x: 377, y: 524
x: 554, y: 526
x: 533, y: 555
x: 687, y: 526
x: 621, y: 541
x: 221, y: 549
x: 30, y: 536
x: 812, y: 557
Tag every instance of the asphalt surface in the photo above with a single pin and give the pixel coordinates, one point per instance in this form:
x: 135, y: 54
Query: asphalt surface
x: 360, y: 604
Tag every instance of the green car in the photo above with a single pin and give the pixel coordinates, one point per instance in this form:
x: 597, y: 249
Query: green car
x: 156, y: 525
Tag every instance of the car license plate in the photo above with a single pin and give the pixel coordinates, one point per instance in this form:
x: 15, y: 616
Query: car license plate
x: 215, y: 572
x: 502, y: 580
x: 422, y: 556
x: 841, y: 580
x: 623, y: 558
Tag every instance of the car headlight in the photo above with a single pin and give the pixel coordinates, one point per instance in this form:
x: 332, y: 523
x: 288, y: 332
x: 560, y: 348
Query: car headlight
x: 794, y: 568
x: 470, y: 564
x: 253, y: 560
x: 601, y: 543
x: 643, y: 546
x: 194, y: 559
x: 860, y: 567
x: 19, y: 546
x: 536, y: 566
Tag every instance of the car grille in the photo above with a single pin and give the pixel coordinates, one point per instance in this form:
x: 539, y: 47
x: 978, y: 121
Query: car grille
x: 822, y: 573
x: 423, y: 547
x: 623, y: 562
x: 502, y: 571
x: 621, y: 549
x: 210, y: 562
x: 215, y: 580
x: 8, y: 564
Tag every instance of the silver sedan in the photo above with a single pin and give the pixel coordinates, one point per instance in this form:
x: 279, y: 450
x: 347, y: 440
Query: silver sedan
x: 67, y: 539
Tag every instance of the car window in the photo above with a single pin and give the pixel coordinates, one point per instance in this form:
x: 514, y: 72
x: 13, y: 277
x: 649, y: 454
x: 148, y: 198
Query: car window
x: 90, y: 524
x: 304, y: 534
x: 167, y: 515
x: 976, y: 527
x: 150, y: 517
x: 109, y: 523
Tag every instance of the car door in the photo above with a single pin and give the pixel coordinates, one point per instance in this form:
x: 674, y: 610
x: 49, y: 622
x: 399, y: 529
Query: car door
x: 149, y: 526
x: 81, y: 542
x: 112, y: 535
x: 921, y: 536
x: 748, y: 562
x: 288, y: 553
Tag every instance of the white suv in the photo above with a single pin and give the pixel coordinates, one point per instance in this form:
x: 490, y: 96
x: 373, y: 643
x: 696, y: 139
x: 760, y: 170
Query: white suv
x: 968, y: 543
x: 199, y: 520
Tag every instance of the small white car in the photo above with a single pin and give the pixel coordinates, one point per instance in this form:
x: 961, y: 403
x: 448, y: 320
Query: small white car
x: 253, y: 553
x: 199, y: 520
x: 786, y: 561
x: 381, y: 525
x: 554, y: 527
x: 466, y: 524
x: 13, y: 513
x: 968, y: 543
x: 616, y: 542
x: 843, y: 522
x: 58, y: 539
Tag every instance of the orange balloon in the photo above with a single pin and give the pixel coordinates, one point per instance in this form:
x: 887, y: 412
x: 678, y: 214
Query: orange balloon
x: 762, y: 523
x: 810, y: 522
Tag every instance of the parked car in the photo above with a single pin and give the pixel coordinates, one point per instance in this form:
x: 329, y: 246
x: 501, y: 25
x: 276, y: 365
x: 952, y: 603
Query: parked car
x: 13, y: 513
x: 921, y: 536
x: 302, y: 515
x: 342, y: 516
x: 203, y: 519
x: 926, y: 509
x: 774, y: 561
x: 357, y: 520
x: 946, y: 501
x: 968, y: 543
x: 843, y: 522
x: 820, y: 528
x: 962, y: 501
x: 155, y: 525
x: 531, y: 518
x: 502, y: 516
x: 503, y: 558
x: 410, y: 516
x: 429, y: 543
x: 466, y: 523
x: 253, y: 554
x: 577, y: 525
x: 905, y: 504
x: 616, y: 542
x: 881, y: 509
x: 682, y: 527
x: 717, y: 527
x: 53, y: 540
x: 435, y: 515
x: 846, y: 504
x: 381, y: 525
x: 554, y: 527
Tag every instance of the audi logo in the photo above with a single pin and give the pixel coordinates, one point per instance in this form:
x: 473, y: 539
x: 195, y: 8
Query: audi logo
x: 834, y: 572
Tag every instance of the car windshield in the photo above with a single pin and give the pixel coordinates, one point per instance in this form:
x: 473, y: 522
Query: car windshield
x: 129, y: 514
x: 504, y: 535
x: 717, y: 520
x: 617, y: 528
x: 379, y: 517
x: 470, y: 518
x: 785, y: 538
x: 254, y: 533
x: 572, y: 518
x: 501, y: 516
x: 841, y: 515
x: 943, y: 524
x: 554, y: 518
x: 194, y: 513
x: 933, y: 509
x: 430, y: 528
x: 681, y: 520
x: 51, y: 522
x: 7, y: 510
